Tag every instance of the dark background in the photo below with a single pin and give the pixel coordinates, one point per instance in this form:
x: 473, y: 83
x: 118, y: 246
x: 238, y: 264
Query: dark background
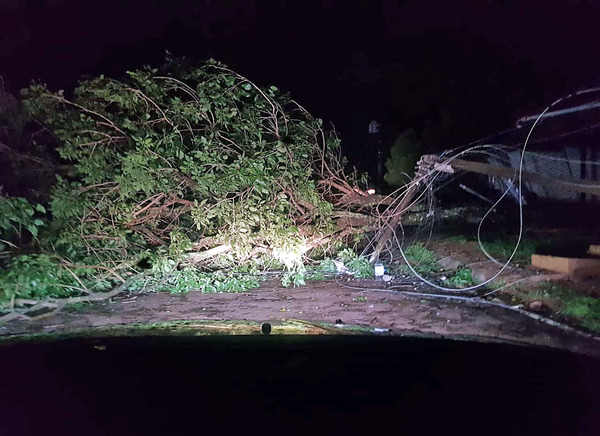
x: 453, y: 70
x: 319, y: 385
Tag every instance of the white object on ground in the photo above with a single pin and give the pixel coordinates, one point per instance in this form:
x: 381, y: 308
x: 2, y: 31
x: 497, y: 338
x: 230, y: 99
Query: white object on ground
x: 341, y: 268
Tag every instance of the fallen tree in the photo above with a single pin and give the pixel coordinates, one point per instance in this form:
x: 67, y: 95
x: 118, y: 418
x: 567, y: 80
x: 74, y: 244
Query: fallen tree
x: 188, y: 166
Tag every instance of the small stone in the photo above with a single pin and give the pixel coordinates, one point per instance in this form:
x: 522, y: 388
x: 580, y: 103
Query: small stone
x: 536, y: 305
x: 386, y: 278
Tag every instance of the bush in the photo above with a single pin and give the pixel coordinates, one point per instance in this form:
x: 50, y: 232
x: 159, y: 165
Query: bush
x: 404, y: 154
x: 462, y: 278
x: 18, y: 216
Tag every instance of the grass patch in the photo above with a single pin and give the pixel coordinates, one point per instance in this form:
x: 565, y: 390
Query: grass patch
x: 76, y: 306
x: 421, y: 259
x: 496, y: 284
x: 462, y: 278
x: 458, y: 239
x: 584, y: 311
x: 501, y: 249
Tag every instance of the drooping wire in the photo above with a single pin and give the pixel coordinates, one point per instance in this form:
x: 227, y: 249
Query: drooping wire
x: 455, y: 153
x: 505, y: 265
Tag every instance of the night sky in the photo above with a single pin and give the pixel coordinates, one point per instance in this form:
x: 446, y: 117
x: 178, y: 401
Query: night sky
x: 453, y: 70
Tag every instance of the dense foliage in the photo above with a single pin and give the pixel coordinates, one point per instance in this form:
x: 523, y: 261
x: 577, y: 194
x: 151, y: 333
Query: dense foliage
x: 18, y: 220
x: 27, y: 154
x: 174, y: 161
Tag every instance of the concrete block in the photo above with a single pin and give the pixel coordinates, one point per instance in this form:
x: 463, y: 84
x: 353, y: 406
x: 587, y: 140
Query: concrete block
x: 580, y: 267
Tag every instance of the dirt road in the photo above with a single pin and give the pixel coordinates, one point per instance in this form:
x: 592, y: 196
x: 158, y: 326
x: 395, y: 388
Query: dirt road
x: 323, y: 302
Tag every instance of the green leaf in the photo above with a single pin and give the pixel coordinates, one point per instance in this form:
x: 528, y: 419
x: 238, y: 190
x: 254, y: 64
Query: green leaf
x: 201, y: 160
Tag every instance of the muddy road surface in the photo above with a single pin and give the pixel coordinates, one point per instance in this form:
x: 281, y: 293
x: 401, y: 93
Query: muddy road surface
x: 341, y: 303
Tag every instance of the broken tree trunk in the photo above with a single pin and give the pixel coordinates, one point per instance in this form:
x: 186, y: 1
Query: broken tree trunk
x: 393, y: 217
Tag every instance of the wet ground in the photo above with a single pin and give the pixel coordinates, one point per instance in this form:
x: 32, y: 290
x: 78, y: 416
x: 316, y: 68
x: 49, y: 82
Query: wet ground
x: 340, y: 302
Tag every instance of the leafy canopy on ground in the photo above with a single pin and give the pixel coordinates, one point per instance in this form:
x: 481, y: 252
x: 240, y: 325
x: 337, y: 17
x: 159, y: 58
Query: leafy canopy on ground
x: 177, y: 160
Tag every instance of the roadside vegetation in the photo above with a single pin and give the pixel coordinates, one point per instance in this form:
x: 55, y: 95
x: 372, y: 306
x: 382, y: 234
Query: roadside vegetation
x: 502, y: 248
x: 580, y: 310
